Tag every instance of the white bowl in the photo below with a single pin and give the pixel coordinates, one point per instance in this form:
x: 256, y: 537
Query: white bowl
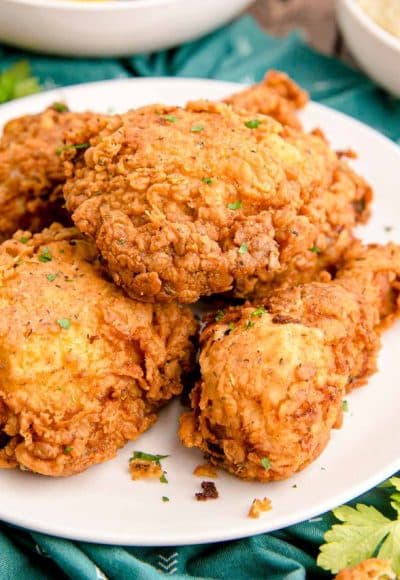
x: 113, y: 28
x: 376, y: 50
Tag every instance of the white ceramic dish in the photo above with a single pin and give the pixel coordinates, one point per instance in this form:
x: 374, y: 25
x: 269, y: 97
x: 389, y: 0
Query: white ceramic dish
x: 112, y: 28
x: 376, y: 50
x: 104, y: 505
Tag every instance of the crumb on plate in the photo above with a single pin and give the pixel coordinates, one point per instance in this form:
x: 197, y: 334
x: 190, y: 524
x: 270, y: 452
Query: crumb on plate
x: 258, y: 506
x: 142, y: 469
x: 205, y: 470
x: 209, y: 491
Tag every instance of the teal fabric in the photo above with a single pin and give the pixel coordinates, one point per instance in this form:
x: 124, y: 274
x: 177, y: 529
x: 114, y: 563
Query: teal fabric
x: 240, y: 52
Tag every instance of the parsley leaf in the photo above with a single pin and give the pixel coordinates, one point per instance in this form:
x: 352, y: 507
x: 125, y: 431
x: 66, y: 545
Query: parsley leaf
x: 64, y: 323
x: 78, y: 146
x: 197, y: 128
x: 17, y: 81
x: 171, y: 118
x: 23, y: 240
x: 253, y: 123
x: 345, y: 406
x: 243, y: 249
x: 163, y: 479
x: 265, y: 462
x: 207, y: 180
x: 148, y: 457
x: 249, y: 324
x: 219, y: 315
x: 68, y: 449
x: 45, y: 255
x: 315, y: 249
x: 364, y: 533
x: 258, y: 312
x: 235, y: 205
x: 165, y: 498
x: 60, y: 107
x: 51, y: 277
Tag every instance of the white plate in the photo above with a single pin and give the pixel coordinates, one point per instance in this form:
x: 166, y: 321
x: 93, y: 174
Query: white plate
x: 104, y: 505
x: 112, y: 28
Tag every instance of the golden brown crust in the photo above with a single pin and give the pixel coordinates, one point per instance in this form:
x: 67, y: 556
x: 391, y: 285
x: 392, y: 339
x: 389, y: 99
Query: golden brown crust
x: 83, y: 367
x: 259, y: 506
x: 273, y: 377
x: 276, y: 95
x: 31, y: 172
x: 190, y: 202
x: 372, y: 569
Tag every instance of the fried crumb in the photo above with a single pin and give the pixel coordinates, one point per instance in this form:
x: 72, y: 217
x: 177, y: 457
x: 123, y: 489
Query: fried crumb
x: 205, y: 470
x: 141, y: 469
x: 349, y: 153
x: 209, y: 491
x: 258, y: 506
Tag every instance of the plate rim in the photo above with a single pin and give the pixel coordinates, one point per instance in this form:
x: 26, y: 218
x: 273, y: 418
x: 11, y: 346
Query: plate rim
x: 257, y: 526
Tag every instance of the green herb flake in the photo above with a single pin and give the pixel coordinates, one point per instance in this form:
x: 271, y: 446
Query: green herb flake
x: 258, y: 312
x: 68, y: 449
x: 388, y: 229
x: 147, y: 457
x: 249, y: 324
x: 231, y: 326
x: 253, y: 123
x: 64, y: 323
x: 51, y: 277
x: 265, y: 462
x: 219, y: 315
x: 45, y: 256
x: 243, y: 249
x: 77, y: 147
x: 24, y: 240
x: 207, y: 180
x: 163, y: 479
x: 235, y: 205
x: 60, y: 107
x: 171, y: 118
x: 315, y: 249
x: 197, y: 128
x: 345, y: 406
x: 165, y: 498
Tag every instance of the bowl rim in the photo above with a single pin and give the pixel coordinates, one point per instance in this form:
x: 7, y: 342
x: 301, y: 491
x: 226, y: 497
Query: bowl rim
x: 372, y: 26
x: 79, y: 6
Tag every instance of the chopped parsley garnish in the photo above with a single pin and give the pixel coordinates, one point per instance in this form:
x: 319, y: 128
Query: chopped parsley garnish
x: 315, y: 249
x: 60, y: 107
x: 253, y: 123
x: 163, y: 479
x: 231, y: 326
x: 388, y: 229
x: 51, y: 277
x: 45, y: 255
x: 165, y: 498
x: 207, y: 180
x: 64, y: 323
x: 219, y: 315
x: 147, y: 457
x: 243, y: 249
x: 171, y: 118
x: 78, y: 146
x: 68, y: 449
x: 197, y: 128
x: 345, y: 406
x: 258, y: 312
x: 265, y: 462
x: 249, y: 324
x: 23, y: 240
x: 235, y: 204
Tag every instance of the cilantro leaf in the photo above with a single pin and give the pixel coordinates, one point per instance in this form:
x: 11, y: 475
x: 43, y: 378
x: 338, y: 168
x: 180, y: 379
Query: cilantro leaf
x: 64, y: 323
x: 147, y: 456
x: 253, y: 123
x: 235, y: 205
x: 363, y: 533
x: 243, y: 249
x: 265, y: 462
x: 17, y: 81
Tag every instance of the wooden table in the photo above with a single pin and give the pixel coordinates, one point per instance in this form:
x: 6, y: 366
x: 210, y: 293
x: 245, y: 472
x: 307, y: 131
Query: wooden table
x: 315, y: 18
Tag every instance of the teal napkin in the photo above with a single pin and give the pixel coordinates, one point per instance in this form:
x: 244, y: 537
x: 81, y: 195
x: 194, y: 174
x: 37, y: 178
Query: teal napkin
x: 239, y: 52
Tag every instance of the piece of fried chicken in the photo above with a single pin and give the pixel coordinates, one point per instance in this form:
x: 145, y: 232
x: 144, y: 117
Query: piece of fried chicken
x: 276, y: 95
x: 83, y: 368
x: 371, y: 569
x: 187, y: 202
x: 32, y: 169
x: 273, y: 377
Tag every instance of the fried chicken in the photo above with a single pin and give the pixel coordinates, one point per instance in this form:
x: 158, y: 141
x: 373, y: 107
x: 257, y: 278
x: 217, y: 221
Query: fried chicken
x: 184, y: 203
x: 31, y: 171
x: 83, y: 368
x: 273, y: 376
x: 371, y: 569
x: 276, y: 95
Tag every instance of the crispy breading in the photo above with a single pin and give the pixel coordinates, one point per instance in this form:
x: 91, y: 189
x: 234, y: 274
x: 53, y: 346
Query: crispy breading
x: 259, y: 506
x: 31, y: 172
x: 372, y: 569
x: 273, y: 377
x: 83, y: 368
x: 276, y: 95
x: 189, y: 202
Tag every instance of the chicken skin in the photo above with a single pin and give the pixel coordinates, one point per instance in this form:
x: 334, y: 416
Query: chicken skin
x: 31, y: 167
x: 277, y: 96
x: 83, y: 368
x: 273, y: 376
x: 189, y: 202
